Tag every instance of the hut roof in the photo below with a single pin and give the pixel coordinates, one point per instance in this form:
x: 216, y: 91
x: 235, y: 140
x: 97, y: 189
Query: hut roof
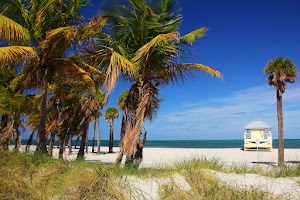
x: 258, y: 125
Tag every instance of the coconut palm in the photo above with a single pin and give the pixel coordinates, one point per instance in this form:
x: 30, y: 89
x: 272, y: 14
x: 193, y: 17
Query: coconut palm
x: 110, y: 115
x: 46, y: 24
x: 144, y: 45
x: 281, y: 71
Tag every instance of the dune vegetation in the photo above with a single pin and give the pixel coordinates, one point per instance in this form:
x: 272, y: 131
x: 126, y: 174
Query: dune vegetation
x: 41, y: 177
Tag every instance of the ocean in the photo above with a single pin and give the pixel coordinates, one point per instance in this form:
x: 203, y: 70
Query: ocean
x: 289, y: 143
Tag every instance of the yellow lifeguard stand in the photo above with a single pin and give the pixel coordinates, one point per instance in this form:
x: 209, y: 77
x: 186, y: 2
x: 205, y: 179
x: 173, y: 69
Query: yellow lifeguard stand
x: 258, y: 136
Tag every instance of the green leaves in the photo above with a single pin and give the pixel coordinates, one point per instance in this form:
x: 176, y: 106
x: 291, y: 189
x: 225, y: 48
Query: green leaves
x: 14, y: 54
x: 13, y: 32
x: 111, y: 113
x: 192, y: 36
x: 281, y: 70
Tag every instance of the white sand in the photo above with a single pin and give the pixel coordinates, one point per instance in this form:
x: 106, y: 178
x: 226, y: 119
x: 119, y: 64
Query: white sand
x: 163, y: 157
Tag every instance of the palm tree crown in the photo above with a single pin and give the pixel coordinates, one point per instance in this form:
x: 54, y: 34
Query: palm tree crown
x: 281, y: 70
x: 111, y: 113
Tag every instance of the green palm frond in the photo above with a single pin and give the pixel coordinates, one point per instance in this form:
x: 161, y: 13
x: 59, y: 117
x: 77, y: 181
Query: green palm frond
x: 111, y: 113
x: 190, y: 37
x: 179, y: 72
x: 86, y: 66
x: 281, y: 70
x: 14, y: 54
x: 162, y: 40
x: 13, y: 32
x: 122, y: 99
x: 59, y: 39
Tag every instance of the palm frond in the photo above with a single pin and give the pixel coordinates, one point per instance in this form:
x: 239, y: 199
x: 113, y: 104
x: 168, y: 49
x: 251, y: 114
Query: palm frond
x: 95, y: 26
x: 13, y: 32
x: 190, y: 37
x: 14, y: 54
x: 117, y: 63
x: 158, y: 41
x: 59, y: 39
x: 178, y: 72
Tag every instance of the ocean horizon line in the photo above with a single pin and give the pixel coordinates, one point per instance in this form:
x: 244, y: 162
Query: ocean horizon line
x: 234, y: 143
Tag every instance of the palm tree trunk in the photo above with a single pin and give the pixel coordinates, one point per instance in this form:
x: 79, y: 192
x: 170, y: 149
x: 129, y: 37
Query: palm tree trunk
x: 4, y: 122
x: 70, y: 144
x: 29, y: 142
x: 83, y: 138
x: 18, y: 140
x: 87, y: 143
x: 111, y: 136
x: 62, y: 145
x: 41, y: 146
x: 280, y: 130
x: 132, y: 133
x: 94, y: 134
x: 76, y: 142
x: 51, y: 142
x: 122, y: 127
x: 98, y: 136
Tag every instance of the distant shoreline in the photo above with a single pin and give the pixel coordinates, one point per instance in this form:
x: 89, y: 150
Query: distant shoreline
x: 239, y: 143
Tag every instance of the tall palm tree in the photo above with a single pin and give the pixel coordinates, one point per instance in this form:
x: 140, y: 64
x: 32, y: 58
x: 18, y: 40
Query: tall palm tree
x: 144, y: 45
x: 110, y: 115
x: 46, y: 24
x: 281, y: 71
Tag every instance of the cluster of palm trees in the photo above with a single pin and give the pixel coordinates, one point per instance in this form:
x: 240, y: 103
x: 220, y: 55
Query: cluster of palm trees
x: 57, y: 72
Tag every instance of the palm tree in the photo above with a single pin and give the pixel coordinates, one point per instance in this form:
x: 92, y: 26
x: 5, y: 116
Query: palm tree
x: 281, y: 71
x: 110, y: 115
x: 144, y: 45
x: 46, y: 24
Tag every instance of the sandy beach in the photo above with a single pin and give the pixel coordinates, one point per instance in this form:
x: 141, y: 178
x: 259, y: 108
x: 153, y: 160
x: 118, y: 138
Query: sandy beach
x: 167, y: 157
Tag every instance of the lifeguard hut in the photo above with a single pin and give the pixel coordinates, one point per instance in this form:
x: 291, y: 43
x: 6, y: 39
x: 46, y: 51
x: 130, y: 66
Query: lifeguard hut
x: 258, y: 136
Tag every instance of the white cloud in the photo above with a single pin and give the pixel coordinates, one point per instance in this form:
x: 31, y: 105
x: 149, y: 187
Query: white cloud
x: 224, y: 118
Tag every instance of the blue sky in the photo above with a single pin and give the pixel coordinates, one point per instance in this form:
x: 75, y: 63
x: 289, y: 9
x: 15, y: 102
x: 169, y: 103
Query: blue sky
x: 243, y: 36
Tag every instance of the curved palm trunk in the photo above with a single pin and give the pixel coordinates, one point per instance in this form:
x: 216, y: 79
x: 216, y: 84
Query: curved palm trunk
x: 18, y: 136
x: 111, y: 136
x: 133, y: 130
x: 98, y: 136
x: 4, y: 122
x: 280, y: 130
x: 41, y: 145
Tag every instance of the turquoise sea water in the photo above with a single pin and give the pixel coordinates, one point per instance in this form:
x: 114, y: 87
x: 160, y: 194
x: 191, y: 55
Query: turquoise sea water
x: 289, y: 143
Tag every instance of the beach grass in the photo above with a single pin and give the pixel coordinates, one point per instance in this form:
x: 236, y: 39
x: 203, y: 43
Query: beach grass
x: 41, y: 177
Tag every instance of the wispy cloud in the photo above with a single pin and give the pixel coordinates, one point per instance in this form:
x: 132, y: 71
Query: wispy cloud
x: 224, y: 118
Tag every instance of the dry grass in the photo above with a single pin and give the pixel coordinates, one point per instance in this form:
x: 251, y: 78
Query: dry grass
x: 41, y: 177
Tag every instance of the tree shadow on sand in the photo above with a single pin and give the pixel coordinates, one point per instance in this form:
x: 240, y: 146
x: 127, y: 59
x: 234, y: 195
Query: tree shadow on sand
x: 266, y: 163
